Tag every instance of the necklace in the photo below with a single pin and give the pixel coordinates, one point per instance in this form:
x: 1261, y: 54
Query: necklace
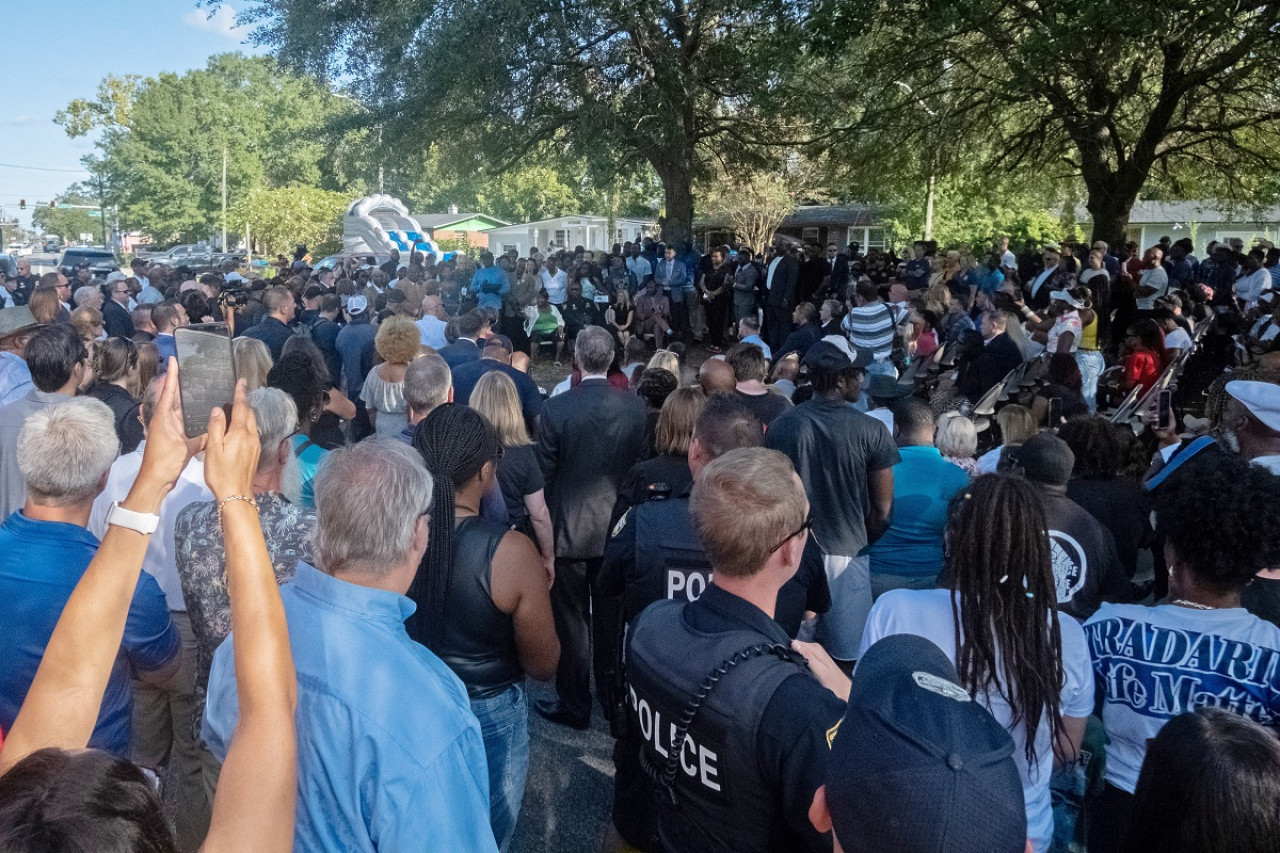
x: 1182, y: 602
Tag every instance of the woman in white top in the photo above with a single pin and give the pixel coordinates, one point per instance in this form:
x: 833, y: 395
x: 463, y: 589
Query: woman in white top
x: 1220, y: 519
x: 398, y: 343
x: 998, y: 621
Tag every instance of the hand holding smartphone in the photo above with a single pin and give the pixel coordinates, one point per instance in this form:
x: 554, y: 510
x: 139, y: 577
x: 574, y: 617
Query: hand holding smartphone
x: 207, y: 374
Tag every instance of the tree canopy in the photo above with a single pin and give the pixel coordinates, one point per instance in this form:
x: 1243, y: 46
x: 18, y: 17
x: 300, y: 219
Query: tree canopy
x: 1111, y: 92
x: 668, y: 83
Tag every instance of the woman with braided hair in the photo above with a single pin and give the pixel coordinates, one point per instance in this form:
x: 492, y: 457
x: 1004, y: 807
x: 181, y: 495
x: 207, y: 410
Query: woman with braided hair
x: 997, y: 619
x: 483, y: 601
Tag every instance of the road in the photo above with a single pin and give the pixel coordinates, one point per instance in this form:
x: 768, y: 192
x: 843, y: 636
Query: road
x: 41, y: 263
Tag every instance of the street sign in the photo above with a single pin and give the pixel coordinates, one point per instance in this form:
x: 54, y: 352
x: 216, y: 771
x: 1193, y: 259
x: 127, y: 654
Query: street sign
x: 62, y: 206
x: 95, y: 214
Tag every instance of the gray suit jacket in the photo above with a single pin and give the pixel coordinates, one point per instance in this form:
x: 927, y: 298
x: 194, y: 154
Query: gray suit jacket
x: 13, y: 486
x: 588, y: 439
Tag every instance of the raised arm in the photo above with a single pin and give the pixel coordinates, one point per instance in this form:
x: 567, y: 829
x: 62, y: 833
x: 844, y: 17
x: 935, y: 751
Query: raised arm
x: 62, y: 705
x: 254, y: 806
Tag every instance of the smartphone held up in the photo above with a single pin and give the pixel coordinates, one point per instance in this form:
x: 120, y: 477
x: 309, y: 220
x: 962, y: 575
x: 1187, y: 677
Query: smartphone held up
x: 207, y: 374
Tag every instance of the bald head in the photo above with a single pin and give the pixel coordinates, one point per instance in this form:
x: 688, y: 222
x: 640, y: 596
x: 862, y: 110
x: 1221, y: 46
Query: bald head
x: 716, y: 375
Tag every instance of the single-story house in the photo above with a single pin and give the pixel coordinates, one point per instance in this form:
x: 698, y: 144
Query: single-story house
x: 1202, y: 221
x: 565, y: 232
x: 815, y: 224
x: 455, y: 225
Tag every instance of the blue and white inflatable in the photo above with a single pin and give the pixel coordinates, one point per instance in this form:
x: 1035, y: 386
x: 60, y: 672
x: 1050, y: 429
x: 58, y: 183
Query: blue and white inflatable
x: 376, y: 224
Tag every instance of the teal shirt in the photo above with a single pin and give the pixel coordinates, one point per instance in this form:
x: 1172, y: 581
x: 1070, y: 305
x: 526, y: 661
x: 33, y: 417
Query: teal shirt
x: 309, y: 459
x: 923, y: 485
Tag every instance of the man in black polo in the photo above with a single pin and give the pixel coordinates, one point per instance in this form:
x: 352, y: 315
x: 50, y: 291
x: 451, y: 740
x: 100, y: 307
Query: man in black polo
x: 274, y: 329
x: 742, y: 775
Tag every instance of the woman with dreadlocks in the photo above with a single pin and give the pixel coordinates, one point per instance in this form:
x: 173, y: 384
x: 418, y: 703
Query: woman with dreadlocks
x: 998, y: 621
x: 483, y: 601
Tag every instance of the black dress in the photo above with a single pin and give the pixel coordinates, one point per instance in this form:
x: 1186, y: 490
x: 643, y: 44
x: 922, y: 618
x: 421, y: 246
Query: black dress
x: 125, y: 409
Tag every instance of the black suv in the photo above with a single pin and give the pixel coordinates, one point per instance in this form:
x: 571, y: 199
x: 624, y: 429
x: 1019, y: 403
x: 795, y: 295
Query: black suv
x: 101, y: 262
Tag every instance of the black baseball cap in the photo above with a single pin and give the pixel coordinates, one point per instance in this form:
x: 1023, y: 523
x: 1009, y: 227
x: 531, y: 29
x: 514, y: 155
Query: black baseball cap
x: 917, y: 766
x: 1044, y: 458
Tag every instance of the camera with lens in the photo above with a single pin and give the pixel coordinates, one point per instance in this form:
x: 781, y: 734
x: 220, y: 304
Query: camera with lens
x: 233, y: 295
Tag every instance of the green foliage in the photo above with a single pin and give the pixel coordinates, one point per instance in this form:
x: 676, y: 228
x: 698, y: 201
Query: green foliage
x: 69, y: 224
x: 281, y: 218
x: 161, y: 147
x: 1112, y: 92
x: 663, y: 84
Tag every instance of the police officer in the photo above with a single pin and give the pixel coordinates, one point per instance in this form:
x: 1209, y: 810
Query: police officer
x: 740, y: 776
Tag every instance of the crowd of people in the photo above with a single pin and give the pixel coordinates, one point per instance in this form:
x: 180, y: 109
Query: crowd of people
x: 915, y: 557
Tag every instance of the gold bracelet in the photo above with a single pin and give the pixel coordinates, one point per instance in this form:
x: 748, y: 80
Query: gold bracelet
x: 249, y: 499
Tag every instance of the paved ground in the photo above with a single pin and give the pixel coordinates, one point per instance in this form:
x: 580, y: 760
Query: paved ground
x: 570, y: 788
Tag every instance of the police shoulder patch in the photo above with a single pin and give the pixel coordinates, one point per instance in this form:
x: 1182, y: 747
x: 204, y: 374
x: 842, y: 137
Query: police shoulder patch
x: 622, y: 522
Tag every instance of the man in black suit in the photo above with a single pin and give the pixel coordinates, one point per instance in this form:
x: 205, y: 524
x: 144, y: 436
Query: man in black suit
x: 837, y: 273
x: 588, y: 438
x: 273, y: 329
x: 999, y: 355
x: 472, y: 326
x: 115, y: 311
x: 780, y: 280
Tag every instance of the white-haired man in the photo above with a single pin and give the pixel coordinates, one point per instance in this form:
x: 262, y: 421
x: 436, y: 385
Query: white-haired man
x: 64, y: 452
x: 390, y: 756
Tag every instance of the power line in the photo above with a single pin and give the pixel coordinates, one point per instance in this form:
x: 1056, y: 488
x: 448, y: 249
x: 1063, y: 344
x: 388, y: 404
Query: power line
x: 45, y: 169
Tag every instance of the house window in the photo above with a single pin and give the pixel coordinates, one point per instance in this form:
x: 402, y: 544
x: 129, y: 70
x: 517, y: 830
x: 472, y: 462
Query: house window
x: 561, y: 238
x: 875, y: 239
x: 509, y: 247
x: 809, y: 235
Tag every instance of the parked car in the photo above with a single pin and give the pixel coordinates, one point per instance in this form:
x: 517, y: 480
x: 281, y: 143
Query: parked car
x: 102, y: 262
x: 9, y: 264
x: 197, y: 257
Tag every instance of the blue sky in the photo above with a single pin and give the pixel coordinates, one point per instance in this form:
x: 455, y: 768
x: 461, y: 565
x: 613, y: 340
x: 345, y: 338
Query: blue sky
x: 60, y: 49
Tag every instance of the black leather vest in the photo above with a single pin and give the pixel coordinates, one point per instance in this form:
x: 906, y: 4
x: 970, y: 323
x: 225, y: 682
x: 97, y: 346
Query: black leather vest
x: 478, y: 641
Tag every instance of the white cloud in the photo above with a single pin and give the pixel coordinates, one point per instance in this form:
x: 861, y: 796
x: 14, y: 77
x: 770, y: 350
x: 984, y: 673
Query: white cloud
x: 222, y: 22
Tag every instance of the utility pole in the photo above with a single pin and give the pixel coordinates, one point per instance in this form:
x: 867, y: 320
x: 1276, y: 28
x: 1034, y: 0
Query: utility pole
x: 381, y: 188
x: 223, y: 247
x: 102, y: 213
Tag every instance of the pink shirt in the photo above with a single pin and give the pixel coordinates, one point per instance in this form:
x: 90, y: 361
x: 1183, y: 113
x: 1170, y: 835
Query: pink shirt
x: 1068, y: 322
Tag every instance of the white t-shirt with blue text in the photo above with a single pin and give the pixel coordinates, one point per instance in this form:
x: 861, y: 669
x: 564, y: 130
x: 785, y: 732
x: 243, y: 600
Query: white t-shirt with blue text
x: 1154, y: 663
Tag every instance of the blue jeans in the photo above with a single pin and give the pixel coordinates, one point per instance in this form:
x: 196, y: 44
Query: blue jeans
x: 1091, y: 365
x: 504, y: 725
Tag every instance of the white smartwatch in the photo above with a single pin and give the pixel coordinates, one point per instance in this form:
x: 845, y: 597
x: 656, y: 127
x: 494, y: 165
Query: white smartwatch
x: 143, y: 522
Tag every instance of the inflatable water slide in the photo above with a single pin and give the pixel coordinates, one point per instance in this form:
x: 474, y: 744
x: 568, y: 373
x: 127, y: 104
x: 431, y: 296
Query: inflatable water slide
x: 376, y: 224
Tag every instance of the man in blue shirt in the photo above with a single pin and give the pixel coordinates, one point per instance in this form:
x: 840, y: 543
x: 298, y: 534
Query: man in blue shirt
x: 988, y: 280
x: 65, y: 452
x: 390, y: 756
x: 490, y: 284
x: 16, y: 326
x: 918, y: 268
x: 496, y: 355
x: 909, y: 554
x: 355, y: 343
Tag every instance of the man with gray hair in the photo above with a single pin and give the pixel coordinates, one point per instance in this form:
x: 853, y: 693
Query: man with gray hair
x: 201, y: 552
x: 428, y: 384
x: 56, y: 358
x: 588, y: 439
x: 89, y: 296
x: 390, y: 756
x: 64, y: 452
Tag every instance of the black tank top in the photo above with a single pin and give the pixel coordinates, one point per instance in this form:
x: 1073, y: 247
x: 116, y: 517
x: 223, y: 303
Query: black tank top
x: 478, y: 641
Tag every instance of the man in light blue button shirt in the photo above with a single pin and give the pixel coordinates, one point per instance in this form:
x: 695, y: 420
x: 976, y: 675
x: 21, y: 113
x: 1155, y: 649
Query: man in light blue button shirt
x: 390, y: 756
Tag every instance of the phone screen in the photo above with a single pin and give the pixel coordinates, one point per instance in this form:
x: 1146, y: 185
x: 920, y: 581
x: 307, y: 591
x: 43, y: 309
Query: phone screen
x: 1164, y: 410
x: 206, y: 373
x: 1055, y: 414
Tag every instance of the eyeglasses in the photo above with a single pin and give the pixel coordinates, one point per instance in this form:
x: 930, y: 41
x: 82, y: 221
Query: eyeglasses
x: 804, y: 528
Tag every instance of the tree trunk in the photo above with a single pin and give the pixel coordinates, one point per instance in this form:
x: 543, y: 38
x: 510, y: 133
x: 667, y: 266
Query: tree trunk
x: 1109, y: 212
x: 677, y: 191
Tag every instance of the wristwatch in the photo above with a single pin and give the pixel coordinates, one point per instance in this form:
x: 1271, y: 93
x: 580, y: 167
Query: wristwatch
x: 143, y: 522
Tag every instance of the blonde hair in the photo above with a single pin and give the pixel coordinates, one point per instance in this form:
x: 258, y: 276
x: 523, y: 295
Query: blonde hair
x: 252, y: 361
x: 955, y: 435
x: 676, y: 419
x: 667, y: 360
x: 1016, y: 424
x: 743, y: 504
x: 86, y: 320
x: 495, y: 397
x: 398, y: 340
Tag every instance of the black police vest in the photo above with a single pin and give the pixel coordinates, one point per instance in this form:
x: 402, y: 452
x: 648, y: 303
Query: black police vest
x: 670, y: 563
x: 721, y: 801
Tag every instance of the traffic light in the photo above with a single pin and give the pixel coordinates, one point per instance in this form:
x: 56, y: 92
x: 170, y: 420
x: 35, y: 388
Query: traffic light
x: 22, y: 204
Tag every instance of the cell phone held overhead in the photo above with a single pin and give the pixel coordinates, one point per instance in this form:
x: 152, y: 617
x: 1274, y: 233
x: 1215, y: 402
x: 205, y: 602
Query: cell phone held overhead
x: 206, y: 373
